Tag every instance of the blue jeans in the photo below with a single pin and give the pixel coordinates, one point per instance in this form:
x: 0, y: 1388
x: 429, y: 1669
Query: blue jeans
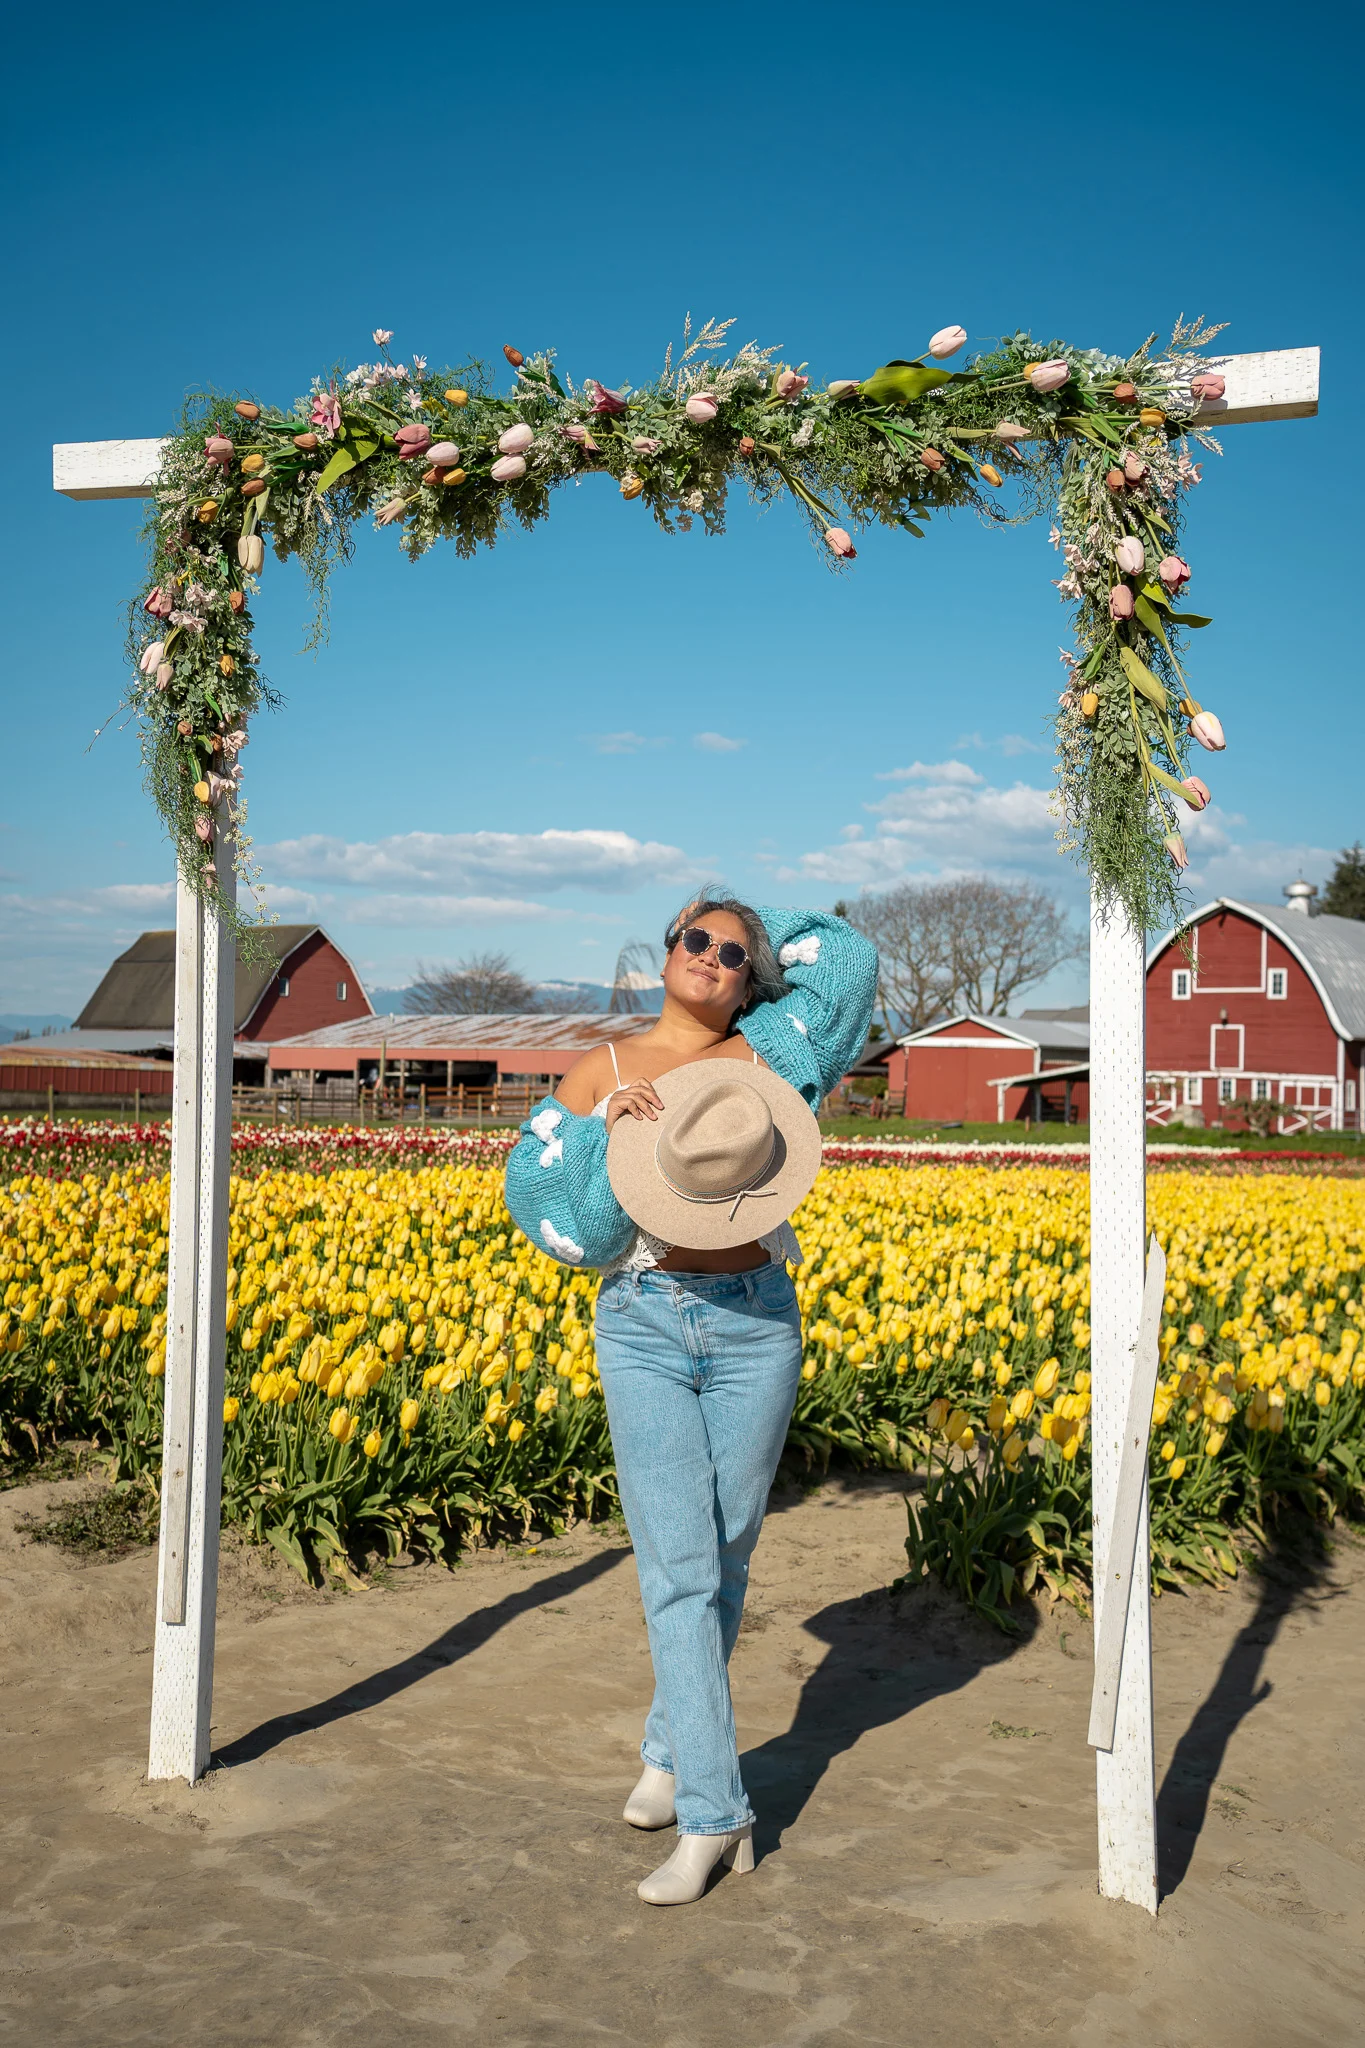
x: 700, y: 1372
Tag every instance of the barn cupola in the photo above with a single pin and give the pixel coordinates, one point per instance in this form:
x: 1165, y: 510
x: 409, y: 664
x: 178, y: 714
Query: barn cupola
x: 1301, y: 896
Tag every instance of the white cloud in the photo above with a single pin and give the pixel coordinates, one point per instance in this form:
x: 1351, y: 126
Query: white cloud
x: 625, y: 742
x: 139, y: 896
x: 946, y: 819
x: 717, y: 743
x: 393, y: 909
x: 482, y: 862
x: 1009, y: 744
x: 931, y: 771
x: 1225, y: 862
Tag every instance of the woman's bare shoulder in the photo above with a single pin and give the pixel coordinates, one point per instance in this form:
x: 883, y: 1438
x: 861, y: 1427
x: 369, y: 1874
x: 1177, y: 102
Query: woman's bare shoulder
x: 584, y: 1084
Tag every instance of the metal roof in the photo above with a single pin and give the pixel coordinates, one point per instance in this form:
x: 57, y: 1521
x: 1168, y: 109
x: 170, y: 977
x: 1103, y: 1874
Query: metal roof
x: 138, y: 992
x: 1331, y: 951
x: 457, y: 1037
x: 146, y: 1040
x: 39, y: 1052
x: 1078, y: 1072
x: 1049, y: 1034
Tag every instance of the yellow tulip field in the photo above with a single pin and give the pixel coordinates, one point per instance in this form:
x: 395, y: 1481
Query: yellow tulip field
x: 406, y: 1371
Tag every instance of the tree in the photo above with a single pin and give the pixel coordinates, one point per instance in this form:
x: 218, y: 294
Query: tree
x: 637, y: 968
x: 969, y: 944
x: 481, y: 984
x: 1344, y: 895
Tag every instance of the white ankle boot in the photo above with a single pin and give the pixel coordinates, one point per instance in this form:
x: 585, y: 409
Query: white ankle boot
x: 650, y: 1805
x: 683, y: 1878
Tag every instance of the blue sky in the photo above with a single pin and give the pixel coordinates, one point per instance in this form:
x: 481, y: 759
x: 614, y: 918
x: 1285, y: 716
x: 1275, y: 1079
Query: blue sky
x: 210, y: 200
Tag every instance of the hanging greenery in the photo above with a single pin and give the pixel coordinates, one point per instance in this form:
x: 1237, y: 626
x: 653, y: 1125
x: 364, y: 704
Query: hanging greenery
x: 1100, y: 441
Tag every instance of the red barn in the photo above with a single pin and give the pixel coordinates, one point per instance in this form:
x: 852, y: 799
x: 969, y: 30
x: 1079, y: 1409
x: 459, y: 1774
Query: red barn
x: 1257, y: 1003
x: 972, y: 1069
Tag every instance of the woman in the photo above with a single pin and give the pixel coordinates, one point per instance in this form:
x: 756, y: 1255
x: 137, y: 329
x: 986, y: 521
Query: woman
x: 699, y: 1351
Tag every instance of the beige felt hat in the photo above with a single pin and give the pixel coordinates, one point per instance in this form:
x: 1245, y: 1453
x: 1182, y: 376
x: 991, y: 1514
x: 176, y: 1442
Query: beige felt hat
x: 732, y: 1152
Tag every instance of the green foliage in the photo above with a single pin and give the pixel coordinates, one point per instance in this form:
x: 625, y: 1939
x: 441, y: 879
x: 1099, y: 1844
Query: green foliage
x: 904, y: 444
x: 1344, y: 895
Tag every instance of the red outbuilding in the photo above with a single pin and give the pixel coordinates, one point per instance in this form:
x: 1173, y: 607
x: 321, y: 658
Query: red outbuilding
x: 971, y: 1069
x: 1257, y: 1003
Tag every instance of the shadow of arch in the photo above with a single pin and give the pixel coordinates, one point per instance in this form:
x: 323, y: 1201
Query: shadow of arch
x: 1291, y: 1574
x: 458, y: 1641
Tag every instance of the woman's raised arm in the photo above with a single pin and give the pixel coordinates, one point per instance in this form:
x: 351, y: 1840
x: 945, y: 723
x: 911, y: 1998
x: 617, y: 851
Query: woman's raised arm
x: 812, y: 1035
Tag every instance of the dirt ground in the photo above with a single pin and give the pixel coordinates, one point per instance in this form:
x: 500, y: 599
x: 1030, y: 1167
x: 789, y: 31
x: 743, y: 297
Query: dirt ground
x: 410, y: 1835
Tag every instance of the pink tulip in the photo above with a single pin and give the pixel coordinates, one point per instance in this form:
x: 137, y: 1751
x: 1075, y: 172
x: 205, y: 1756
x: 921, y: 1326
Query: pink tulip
x: 516, y: 440
x: 218, y: 449
x: 1175, y: 846
x: 1134, y: 468
x: 443, y: 455
x: 789, y: 385
x: 1010, y: 430
x: 646, y: 444
x: 1048, y: 376
x: 165, y: 675
x: 1130, y: 555
x: 576, y: 431
x: 1208, y: 731
x: 203, y: 828
x: 1173, y: 572
x: 1200, y: 795
x: 948, y: 341
x: 836, y: 538
x: 1120, y: 602
x: 1208, y: 385
x: 151, y: 657
x: 326, y: 413
x: 606, y: 400
x: 412, y: 441
x: 394, y: 509
x: 842, y: 387
x: 159, y: 603
x: 701, y: 408
x: 508, y: 468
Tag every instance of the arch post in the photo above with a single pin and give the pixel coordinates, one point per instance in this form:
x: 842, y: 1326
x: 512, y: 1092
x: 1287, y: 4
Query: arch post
x: 1125, y: 1775
x: 196, y: 1333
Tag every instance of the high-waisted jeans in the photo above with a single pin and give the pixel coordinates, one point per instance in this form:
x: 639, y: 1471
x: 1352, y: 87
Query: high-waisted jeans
x: 700, y: 1372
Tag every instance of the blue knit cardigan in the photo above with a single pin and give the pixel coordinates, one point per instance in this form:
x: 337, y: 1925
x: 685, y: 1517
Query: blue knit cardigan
x: 557, y: 1186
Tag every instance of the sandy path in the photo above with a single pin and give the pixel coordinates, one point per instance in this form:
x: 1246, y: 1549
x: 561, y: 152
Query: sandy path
x: 412, y: 1838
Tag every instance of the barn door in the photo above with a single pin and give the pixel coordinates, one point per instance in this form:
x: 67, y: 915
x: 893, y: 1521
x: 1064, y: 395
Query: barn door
x: 1226, y: 1049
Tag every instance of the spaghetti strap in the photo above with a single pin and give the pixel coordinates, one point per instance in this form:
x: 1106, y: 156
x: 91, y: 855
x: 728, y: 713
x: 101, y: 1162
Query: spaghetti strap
x: 755, y: 1053
x: 611, y: 1048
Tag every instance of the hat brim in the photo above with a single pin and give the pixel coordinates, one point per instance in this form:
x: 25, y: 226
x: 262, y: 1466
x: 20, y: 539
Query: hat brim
x: 709, y: 1226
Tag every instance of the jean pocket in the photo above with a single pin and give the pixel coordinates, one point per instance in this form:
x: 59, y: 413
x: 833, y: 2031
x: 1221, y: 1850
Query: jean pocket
x: 611, y: 1295
x: 775, y: 1290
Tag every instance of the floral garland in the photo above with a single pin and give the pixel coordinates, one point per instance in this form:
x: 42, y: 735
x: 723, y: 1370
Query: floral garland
x: 1100, y: 440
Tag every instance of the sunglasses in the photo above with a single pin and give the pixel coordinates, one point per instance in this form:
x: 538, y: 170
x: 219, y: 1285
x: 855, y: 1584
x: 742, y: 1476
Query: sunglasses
x: 696, y: 940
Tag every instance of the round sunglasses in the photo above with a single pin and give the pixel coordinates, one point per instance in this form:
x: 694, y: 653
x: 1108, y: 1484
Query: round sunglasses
x: 696, y: 940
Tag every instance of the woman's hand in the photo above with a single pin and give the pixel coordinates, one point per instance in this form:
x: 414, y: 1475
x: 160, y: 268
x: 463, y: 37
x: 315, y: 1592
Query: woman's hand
x: 637, y: 1099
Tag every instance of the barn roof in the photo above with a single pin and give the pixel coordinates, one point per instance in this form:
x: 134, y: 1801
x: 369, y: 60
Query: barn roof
x: 138, y: 992
x: 1050, y: 1031
x: 436, y: 1037
x: 1331, y: 951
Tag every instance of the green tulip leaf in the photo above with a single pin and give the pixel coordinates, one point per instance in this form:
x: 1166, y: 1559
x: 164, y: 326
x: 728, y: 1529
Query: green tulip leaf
x: 1169, y: 782
x: 1189, y: 619
x: 1141, y: 677
x: 900, y: 383
x: 340, y: 461
x: 1150, y: 617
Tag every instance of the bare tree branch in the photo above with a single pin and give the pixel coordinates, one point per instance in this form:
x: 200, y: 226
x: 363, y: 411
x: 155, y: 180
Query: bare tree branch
x: 482, y: 984
x: 969, y: 944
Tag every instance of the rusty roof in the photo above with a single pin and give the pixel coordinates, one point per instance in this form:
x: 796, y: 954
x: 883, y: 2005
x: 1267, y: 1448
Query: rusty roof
x: 457, y: 1037
x: 39, y: 1052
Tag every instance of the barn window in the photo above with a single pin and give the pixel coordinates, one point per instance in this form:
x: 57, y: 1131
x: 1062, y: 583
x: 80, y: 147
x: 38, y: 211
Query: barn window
x: 1225, y: 1088
x: 284, y: 984
x: 341, y: 991
x: 1277, y: 983
x: 1180, y: 985
x: 1261, y: 1090
x: 1194, y: 1089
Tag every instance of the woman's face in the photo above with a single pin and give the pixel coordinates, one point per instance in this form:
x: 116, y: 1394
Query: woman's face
x: 698, y: 979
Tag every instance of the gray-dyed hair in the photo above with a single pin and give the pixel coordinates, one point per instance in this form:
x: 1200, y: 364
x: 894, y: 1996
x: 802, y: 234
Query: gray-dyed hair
x: 766, y: 981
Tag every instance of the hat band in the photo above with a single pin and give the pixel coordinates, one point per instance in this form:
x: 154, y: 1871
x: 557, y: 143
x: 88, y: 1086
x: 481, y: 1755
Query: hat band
x: 735, y: 1195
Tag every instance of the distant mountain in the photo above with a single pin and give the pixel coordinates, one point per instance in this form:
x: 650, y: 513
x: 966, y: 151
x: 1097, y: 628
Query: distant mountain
x: 14, y: 1025
x: 566, y: 996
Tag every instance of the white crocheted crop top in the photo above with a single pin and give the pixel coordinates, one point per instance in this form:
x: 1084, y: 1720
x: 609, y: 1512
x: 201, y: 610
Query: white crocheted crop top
x: 780, y: 1244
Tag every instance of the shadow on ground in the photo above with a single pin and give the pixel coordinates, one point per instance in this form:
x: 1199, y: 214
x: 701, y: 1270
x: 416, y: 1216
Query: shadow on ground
x: 448, y: 1648
x: 888, y: 1654
x: 1291, y: 1575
